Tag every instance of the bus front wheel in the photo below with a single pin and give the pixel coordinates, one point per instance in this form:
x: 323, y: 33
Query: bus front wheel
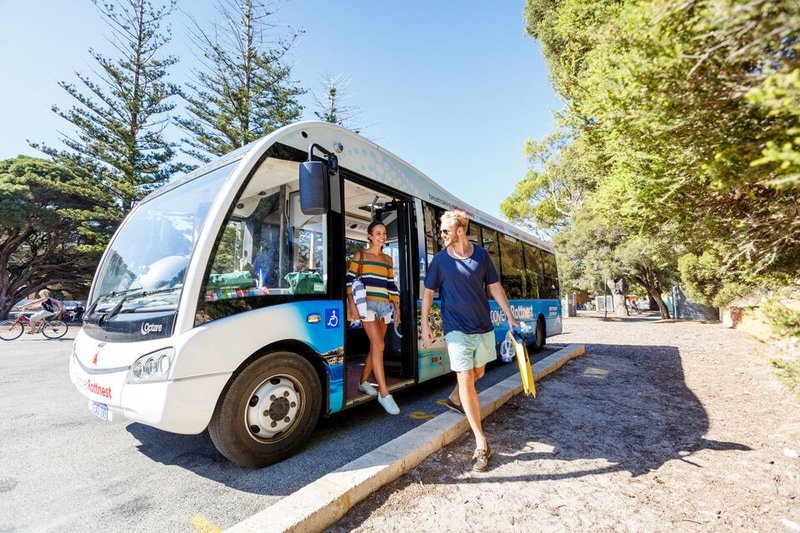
x: 268, y: 411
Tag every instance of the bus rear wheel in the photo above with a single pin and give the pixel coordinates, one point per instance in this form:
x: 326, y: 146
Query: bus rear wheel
x: 538, y: 344
x: 268, y: 411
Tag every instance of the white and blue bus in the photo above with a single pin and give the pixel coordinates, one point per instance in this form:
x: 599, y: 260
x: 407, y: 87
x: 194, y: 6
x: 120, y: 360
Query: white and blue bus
x: 220, y: 301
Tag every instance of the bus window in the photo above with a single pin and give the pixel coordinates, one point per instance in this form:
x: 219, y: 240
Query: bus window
x: 474, y: 233
x: 433, y: 242
x: 512, y: 274
x: 533, y: 270
x: 550, y: 285
x: 308, y: 245
x: 264, y: 251
x: 491, y: 245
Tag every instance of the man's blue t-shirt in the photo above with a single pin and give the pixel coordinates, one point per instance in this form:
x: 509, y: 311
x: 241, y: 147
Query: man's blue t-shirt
x: 462, y: 289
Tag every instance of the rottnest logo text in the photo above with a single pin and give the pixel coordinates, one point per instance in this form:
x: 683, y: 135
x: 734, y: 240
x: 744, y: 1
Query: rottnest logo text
x: 96, y: 388
x: 521, y: 312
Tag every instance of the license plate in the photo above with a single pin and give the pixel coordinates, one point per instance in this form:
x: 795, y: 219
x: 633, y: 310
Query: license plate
x: 100, y: 410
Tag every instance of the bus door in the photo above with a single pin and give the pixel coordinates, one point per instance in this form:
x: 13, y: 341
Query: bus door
x: 362, y: 205
x: 397, y: 359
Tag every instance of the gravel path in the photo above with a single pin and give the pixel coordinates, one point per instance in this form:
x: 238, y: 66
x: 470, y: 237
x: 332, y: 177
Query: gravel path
x: 662, y: 425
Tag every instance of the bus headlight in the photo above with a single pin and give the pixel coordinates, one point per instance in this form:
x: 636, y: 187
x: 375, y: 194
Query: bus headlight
x: 154, y: 366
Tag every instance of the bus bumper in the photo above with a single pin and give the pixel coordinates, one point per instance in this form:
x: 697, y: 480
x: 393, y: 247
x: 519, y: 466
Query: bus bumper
x: 181, y: 406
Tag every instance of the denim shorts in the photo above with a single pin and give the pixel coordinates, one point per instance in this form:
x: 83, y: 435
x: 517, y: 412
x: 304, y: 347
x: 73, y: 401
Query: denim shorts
x: 470, y: 350
x: 379, y: 309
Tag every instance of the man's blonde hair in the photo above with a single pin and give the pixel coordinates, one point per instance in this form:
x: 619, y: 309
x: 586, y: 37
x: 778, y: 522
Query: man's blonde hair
x: 44, y: 292
x: 459, y: 217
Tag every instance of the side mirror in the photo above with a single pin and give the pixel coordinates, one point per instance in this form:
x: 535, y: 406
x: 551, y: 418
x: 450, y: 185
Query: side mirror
x: 314, y: 188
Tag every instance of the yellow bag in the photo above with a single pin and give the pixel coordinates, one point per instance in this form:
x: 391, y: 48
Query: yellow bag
x: 524, y: 363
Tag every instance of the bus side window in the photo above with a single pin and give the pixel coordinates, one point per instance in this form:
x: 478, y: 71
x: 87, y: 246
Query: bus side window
x: 533, y: 270
x: 308, y: 237
x: 491, y: 245
x: 229, y: 270
x: 549, y: 287
x: 474, y: 233
x: 433, y: 243
x: 248, y: 250
x: 513, y: 274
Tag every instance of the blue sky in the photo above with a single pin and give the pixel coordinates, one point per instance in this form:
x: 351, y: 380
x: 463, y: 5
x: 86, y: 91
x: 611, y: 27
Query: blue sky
x: 453, y: 88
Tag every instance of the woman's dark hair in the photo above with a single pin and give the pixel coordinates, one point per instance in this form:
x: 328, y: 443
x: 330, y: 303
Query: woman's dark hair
x: 372, y: 226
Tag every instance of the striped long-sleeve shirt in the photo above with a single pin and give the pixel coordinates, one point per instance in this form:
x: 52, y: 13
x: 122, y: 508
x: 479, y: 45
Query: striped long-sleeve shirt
x: 377, y: 275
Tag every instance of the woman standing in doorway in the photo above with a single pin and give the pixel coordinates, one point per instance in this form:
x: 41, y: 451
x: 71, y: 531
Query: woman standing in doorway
x: 376, y: 271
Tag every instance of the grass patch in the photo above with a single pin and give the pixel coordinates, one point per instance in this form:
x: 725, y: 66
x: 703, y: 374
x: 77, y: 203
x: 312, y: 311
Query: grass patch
x: 789, y: 374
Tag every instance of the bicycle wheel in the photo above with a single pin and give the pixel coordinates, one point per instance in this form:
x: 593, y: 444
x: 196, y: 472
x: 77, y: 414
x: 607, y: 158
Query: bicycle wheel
x: 10, y: 330
x: 54, y: 329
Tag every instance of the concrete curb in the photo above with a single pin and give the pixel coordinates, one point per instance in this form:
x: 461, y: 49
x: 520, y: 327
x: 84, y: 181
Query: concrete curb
x: 321, y: 503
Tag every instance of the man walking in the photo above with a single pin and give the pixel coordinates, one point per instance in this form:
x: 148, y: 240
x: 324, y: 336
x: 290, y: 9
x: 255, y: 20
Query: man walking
x: 461, y: 272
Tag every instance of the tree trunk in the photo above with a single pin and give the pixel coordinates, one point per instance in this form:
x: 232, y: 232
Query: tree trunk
x: 662, y: 307
x: 653, y: 288
x: 616, y: 286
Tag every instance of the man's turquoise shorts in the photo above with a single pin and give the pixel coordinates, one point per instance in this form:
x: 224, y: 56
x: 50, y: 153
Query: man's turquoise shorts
x: 470, y: 350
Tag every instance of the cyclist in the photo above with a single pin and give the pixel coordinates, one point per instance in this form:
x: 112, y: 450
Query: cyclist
x: 50, y: 307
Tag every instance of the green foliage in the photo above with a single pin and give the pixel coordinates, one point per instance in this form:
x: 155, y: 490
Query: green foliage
x: 561, y: 172
x: 707, y: 281
x: 784, y: 314
x: 687, y: 114
x: 701, y: 276
x: 789, y: 373
x: 43, y: 237
x: 119, y: 153
x: 593, y: 249
x: 244, y: 90
x: 779, y: 95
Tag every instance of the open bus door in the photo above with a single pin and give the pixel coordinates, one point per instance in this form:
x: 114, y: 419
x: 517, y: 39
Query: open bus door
x: 398, y: 359
x: 364, y: 204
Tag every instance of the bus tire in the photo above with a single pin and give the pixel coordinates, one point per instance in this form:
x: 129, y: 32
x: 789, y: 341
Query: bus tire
x: 268, y: 410
x: 538, y: 344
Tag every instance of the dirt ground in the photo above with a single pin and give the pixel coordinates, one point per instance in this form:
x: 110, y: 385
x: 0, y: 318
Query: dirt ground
x: 661, y: 426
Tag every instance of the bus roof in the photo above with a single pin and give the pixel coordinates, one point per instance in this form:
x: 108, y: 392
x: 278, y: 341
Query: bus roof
x: 364, y: 157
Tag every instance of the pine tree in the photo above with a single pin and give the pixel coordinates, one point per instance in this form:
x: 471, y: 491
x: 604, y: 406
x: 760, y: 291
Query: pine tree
x: 118, y: 153
x: 243, y: 90
x: 332, y: 104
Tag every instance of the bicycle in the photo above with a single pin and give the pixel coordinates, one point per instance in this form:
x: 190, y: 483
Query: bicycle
x: 13, y: 329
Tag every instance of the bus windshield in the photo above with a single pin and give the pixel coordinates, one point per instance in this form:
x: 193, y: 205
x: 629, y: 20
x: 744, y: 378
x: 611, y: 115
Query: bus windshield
x: 147, y: 260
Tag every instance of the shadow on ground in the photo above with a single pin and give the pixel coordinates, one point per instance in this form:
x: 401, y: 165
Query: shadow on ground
x: 626, y: 405
x: 336, y: 441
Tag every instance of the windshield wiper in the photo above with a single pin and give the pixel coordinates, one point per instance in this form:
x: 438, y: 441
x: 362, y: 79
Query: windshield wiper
x: 117, y: 308
x: 111, y: 294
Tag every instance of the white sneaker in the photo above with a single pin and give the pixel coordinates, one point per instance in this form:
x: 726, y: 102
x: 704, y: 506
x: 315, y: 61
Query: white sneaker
x: 387, y: 402
x: 367, y: 388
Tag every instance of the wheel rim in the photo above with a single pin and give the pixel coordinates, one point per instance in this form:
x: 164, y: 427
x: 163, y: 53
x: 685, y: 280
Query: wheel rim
x: 54, y: 330
x: 274, y: 408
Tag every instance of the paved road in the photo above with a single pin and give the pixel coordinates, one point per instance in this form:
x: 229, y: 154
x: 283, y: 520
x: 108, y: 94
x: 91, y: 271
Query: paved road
x: 61, y: 469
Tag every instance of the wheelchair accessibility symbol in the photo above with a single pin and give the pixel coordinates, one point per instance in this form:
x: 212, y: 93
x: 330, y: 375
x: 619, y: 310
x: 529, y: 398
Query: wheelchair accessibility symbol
x: 331, y: 318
